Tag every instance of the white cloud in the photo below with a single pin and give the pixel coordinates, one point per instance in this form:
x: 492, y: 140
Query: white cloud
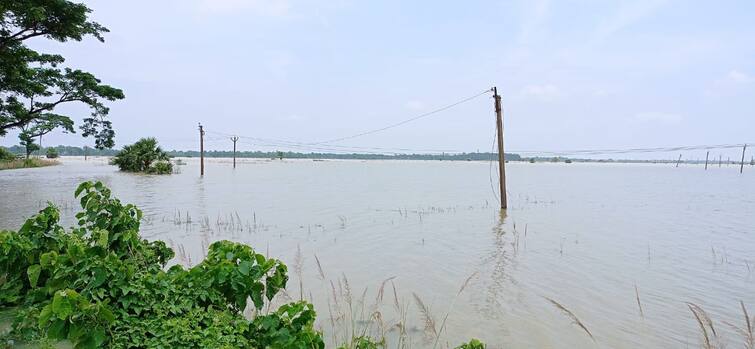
x: 738, y: 77
x: 732, y: 83
x: 272, y: 8
x: 659, y: 117
x: 542, y: 92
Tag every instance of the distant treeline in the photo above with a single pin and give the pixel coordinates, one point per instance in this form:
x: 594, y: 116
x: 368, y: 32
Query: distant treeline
x: 78, y: 151
x: 355, y: 156
x: 64, y: 150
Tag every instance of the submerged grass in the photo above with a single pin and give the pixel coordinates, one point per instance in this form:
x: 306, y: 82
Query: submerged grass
x: 571, y: 315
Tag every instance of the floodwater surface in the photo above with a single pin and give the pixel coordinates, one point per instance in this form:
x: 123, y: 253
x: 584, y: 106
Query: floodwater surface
x: 600, y: 240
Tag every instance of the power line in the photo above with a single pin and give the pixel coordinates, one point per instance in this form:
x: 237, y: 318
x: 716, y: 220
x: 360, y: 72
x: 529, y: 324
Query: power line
x: 434, y: 111
x: 284, y: 143
x: 631, y: 150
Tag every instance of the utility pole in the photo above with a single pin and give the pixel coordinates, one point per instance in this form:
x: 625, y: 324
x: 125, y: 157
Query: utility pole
x: 501, y: 159
x: 706, y: 159
x: 678, y: 161
x: 742, y: 163
x: 201, y: 150
x: 234, y: 139
x: 719, y: 159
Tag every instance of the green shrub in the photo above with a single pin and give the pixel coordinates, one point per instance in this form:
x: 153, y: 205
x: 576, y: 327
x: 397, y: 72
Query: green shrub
x: 101, y: 285
x: 52, y: 153
x: 142, y: 156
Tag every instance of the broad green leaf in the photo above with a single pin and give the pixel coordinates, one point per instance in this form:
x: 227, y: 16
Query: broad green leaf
x: 62, y: 305
x: 33, y: 273
x: 58, y: 329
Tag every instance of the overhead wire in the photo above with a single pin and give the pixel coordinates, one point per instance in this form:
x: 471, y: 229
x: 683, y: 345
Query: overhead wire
x: 434, y: 111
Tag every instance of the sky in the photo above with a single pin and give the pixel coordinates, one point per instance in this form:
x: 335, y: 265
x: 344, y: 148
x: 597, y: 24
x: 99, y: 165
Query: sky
x: 581, y: 74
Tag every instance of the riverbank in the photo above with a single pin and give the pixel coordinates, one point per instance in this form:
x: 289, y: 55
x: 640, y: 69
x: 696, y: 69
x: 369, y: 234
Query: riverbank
x: 26, y: 163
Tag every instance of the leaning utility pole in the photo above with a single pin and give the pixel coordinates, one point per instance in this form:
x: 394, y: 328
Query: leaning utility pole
x: 234, y: 139
x: 678, y: 161
x: 742, y: 163
x: 501, y: 157
x: 201, y: 150
x: 706, y: 159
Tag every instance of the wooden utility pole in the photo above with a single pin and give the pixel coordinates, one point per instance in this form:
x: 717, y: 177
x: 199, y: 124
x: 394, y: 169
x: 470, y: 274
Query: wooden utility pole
x: 706, y: 159
x: 678, y: 161
x: 742, y: 163
x: 234, y: 139
x: 501, y: 154
x: 201, y: 150
x: 720, y: 157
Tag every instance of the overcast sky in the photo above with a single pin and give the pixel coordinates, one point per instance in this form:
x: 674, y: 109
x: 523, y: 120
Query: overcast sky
x: 573, y: 74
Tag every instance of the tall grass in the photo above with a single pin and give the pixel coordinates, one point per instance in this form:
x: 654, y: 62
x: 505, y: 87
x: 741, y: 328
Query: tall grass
x: 26, y: 163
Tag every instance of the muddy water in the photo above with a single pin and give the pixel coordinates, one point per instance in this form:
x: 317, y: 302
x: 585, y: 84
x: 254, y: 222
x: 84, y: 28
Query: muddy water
x: 582, y: 235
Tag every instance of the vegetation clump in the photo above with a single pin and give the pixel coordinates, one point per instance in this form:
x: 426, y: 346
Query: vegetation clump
x: 143, y: 156
x: 101, y: 285
x: 52, y: 153
x: 6, y: 155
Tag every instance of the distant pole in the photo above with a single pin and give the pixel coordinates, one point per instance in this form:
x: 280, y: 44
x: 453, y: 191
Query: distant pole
x: 201, y: 150
x: 719, y: 159
x: 86, y: 152
x: 678, y: 161
x: 234, y: 139
x: 501, y: 158
x: 706, y: 159
x: 742, y: 163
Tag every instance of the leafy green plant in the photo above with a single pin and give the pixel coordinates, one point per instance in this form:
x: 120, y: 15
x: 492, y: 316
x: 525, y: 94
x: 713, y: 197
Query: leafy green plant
x: 101, y: 285
x: 143, y: 156
x: 473, y: 344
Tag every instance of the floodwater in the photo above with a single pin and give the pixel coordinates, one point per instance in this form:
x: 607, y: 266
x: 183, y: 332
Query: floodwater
x: 592, y: 237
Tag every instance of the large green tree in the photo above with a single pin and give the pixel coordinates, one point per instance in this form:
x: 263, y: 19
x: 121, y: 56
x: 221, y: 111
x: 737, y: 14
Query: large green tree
x: 33, y: 84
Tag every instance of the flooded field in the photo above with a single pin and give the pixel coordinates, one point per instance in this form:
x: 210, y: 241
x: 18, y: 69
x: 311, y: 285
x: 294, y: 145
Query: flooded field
x: 623, y: 248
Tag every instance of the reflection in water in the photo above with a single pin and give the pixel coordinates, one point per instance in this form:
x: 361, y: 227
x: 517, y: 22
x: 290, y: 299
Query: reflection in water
x: 500, y: 262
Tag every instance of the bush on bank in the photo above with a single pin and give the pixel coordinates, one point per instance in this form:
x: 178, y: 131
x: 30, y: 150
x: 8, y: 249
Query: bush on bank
x: 101, y: 285
x: 143, y: 156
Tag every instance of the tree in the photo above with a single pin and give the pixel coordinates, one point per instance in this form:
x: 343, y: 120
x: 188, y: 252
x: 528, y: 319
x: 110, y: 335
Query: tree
x: 27, y: 141
x: 143, y: 156
x: 33, y: 84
